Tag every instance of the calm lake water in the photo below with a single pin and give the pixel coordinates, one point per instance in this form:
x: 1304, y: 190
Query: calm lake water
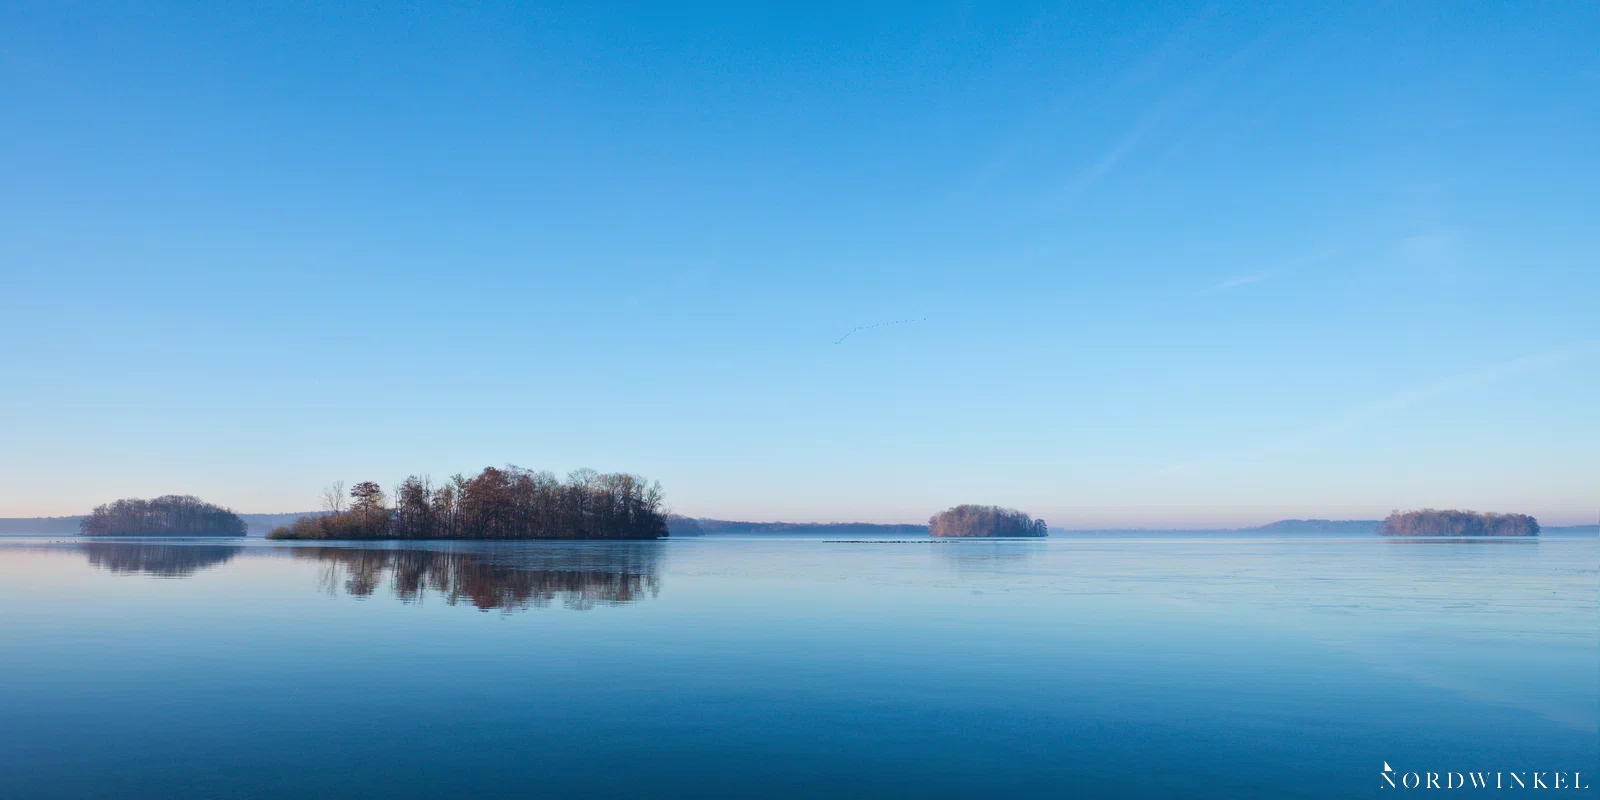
x: 724, y: 666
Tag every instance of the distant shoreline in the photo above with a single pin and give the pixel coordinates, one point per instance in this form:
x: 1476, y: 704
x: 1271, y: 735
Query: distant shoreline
x: 256, y: 524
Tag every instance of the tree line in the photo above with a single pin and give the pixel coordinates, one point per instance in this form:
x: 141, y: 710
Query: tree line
x: 169, y: 515
x: 497, y: 503
x: 1429, y: 522
x: 971, y: 520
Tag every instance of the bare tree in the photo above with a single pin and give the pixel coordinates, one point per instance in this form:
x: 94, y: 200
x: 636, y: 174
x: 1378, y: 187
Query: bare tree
x: 333, y: 497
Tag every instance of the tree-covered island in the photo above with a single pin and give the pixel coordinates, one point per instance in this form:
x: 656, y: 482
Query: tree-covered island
x: 1429, y: 522
x: 988, y: 521
x: 498, y: 503
x: 169, y: 515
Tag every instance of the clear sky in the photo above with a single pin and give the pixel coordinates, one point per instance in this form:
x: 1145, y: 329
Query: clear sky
x: 1150, y: 265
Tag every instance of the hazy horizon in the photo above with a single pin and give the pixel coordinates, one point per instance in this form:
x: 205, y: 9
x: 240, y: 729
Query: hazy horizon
x: 1080, y: 521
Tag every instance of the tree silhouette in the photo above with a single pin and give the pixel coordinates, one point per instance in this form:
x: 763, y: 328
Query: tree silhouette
x: 1429, y: 522
x: 497, y: 503
x: 169, y: 515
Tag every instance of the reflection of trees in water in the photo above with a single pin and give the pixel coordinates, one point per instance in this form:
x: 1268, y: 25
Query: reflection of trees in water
x: 510, y: 580
x: 161, y: 560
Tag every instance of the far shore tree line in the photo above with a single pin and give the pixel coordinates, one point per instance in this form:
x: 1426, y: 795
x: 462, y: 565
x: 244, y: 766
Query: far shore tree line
x: 497, y: 503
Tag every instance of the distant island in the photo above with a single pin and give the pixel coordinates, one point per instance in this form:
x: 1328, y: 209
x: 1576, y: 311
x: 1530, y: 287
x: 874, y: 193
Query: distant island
x: 170, y: 515
x: 498, y: 503
x: 1429, y: 522
x: 985, y: 521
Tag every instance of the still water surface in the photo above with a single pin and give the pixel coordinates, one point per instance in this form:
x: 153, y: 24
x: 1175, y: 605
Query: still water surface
x: 723, y: 666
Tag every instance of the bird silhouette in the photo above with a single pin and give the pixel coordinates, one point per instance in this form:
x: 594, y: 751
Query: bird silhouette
x: 859, y: 328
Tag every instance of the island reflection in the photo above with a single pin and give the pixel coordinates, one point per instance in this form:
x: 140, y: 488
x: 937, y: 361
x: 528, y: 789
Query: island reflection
x: 510, y: 579
x: 159, y: 560
x: 977, y: 555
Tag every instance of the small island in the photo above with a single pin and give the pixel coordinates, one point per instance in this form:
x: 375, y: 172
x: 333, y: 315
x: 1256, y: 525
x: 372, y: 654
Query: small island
x: 985, y: 521
x: 170, y: 515
x: 1429, y: 522
x: 498, y: 503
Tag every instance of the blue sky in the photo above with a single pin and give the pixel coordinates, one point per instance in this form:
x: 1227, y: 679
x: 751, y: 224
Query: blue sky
x: 1163, y: 265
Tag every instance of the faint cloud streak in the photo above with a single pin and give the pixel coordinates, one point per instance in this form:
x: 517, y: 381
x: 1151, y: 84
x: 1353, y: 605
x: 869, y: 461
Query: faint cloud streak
x: 1191, y: 94
x: 1245, y: 280
x: 1455, y: 384
x: 1356, y: 416
x: 1437, y: 250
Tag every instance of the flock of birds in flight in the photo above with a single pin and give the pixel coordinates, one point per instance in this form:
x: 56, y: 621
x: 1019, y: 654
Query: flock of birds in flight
x: 877, y: 325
